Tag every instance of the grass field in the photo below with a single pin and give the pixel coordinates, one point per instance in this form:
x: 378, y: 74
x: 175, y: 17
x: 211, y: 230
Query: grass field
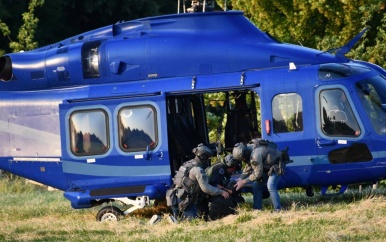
x: 31, y: 213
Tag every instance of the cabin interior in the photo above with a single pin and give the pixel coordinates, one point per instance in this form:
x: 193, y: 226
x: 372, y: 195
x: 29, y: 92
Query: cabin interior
x: 189, y: 124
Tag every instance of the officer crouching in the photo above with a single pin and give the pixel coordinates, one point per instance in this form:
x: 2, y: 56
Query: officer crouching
x: 191, y: 182
x: 219, y: 175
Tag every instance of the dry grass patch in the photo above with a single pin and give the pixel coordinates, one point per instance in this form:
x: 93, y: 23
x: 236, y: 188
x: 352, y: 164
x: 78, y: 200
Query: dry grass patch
x: 47, y: 216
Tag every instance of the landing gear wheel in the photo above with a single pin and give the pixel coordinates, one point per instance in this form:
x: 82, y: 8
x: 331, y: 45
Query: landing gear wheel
x: 109, y: 213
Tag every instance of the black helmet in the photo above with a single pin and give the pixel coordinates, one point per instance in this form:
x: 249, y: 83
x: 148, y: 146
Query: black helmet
x: 229, y: 161
x: 203, y: 152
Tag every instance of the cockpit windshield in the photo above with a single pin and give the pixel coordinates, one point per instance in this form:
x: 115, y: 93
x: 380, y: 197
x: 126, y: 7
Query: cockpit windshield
x: 373, y: 97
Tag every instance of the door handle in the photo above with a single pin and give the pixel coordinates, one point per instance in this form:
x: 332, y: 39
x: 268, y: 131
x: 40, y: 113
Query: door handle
x: 325, y: 142
x: 149, y: 154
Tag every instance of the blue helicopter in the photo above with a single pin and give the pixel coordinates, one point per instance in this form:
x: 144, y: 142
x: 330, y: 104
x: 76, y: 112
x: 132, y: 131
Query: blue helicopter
x: 111, y: 114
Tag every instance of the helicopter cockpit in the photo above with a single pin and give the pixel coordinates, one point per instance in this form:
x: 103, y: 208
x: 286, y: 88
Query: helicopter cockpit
x: 371, y: 95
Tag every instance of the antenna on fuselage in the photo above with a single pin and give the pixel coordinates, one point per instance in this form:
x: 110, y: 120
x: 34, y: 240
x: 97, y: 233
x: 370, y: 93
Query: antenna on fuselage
x: 179, y: 6
x: 201, y: 6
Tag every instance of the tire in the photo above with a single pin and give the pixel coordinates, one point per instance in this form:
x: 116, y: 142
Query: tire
x: 108, y: 214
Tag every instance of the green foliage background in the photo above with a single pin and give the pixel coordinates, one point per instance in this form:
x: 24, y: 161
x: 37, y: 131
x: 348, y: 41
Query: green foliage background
x: 27, y: 24
x: 322, y: 24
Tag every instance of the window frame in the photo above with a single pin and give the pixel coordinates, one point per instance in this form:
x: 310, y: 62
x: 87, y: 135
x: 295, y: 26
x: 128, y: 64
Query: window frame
x: 353, y: 113
x: 119, y: 132
x: 71, y: 139
x: 274, y: 107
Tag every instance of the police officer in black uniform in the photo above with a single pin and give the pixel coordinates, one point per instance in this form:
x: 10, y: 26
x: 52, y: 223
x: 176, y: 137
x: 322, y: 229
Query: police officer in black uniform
x: 220, y: 176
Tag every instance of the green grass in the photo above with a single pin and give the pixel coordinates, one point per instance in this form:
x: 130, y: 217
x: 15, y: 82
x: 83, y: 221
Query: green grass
x: 31, y: 213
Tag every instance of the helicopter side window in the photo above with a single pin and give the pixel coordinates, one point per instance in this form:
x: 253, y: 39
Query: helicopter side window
x: 337, y: 117
x: 137, y: 128
x: 89, y: 132
x: 287, y: 112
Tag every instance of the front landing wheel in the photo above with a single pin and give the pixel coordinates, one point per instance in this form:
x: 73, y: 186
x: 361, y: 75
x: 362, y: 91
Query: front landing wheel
x: 109, y: 213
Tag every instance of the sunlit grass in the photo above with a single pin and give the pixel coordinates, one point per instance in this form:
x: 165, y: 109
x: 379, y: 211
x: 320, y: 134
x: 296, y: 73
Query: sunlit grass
x: 31, y: 213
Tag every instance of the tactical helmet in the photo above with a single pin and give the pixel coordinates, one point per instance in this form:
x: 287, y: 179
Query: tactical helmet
x: 230, y: 161
x: 203, y: 152
x: 238, y: 151
x: 241, y: 152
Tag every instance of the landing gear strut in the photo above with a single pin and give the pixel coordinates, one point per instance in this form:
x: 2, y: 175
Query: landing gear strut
x: 113, y: 213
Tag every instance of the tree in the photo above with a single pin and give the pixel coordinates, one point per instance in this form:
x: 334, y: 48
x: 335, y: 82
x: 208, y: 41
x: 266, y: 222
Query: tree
x: 373, y: 48
x: 5, y: 31
x: 321, y: 24
x: 62, y: 19
x: 214, y: 103
x: 26, y: 35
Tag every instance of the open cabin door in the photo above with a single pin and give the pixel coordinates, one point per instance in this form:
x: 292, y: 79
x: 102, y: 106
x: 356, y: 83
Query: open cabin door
x: 116, y: 145
x: 188, y: 121
x: 186, y: 127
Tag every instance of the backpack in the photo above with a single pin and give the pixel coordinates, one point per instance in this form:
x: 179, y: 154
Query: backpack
x: 181, y: 194
x: 274, y: 159
x: 182, y: 180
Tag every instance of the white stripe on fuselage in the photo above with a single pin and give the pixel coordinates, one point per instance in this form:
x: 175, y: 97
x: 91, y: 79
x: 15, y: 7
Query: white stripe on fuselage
x: 28, y: 132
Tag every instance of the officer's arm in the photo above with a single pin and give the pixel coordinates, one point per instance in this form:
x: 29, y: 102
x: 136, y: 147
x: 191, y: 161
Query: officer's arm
x: 247, y: 176
x: 257, y: 166
x: 203, y: 182
x: 246, y: 171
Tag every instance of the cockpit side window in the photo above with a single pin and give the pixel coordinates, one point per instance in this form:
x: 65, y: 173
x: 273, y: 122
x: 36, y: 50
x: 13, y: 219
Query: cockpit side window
x: 372, y: 96
x: 337, y: 117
